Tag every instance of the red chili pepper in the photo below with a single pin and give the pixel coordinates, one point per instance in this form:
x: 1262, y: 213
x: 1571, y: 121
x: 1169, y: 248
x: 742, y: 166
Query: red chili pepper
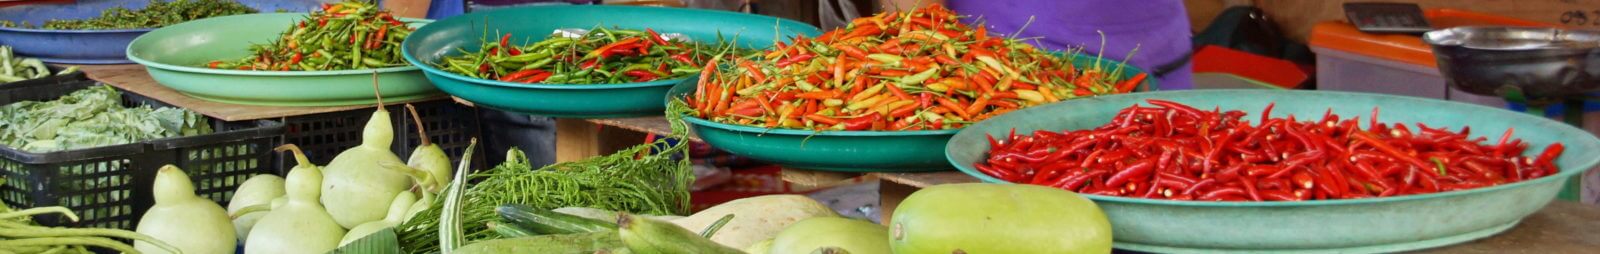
x: 795, y: 59
x: 514, y: 76
x: 654, y: 37
x: 536, y: 78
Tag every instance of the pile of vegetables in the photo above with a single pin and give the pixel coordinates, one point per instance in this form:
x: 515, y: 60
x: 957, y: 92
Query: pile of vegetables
x: 1173, y: 151
x: 597, y: 56
x: 91, y: 117
x: 18, y: 234
x: 957, y: 218
x: 917, y: 70
x: 347, y: 35
x: 156, y: 14
x: 14, y: 68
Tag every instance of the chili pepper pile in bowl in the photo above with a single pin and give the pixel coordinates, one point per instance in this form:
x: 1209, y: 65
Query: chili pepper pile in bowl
x: 583, y: 61
x: 884, y: 93
x: 324, y: 58
x: 96, y: 32
x: 1284, y: 171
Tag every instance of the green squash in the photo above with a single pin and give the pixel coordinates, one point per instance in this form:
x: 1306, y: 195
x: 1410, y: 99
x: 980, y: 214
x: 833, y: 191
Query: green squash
x: 855, y: 236
x: 998, y: 218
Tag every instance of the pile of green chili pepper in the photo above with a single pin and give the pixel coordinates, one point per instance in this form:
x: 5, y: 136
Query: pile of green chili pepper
x: 156, y: 14
x: 342, y: 36
x: 599, y: 56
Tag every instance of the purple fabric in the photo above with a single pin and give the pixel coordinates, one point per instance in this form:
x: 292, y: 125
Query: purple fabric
x: 1160, y: 28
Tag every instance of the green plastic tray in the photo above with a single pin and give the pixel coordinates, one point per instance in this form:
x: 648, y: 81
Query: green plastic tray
x: 533, y: 23
x: 846, y: 151
x: 1389, y: 224
x: 172, y: 55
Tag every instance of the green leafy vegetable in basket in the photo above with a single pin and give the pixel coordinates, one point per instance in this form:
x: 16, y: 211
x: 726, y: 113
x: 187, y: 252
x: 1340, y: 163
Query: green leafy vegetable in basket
x: 632, y: 180
x: 91, y: 117
x: 156, y: 14
x: 18, y: 234
x: 596, y: 56
x: 14, y: 68
x: 347, y: 35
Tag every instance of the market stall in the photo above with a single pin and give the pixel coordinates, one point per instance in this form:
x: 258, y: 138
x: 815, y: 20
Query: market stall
x: 343, y: 128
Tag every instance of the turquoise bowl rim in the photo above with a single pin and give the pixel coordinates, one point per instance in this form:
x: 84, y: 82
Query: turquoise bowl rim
x: 190, y: 69
x: 428, y: 68
x: 1559, y: 176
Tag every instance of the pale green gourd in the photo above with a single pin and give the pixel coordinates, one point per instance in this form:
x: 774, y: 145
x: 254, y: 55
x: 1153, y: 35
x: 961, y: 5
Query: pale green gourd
x: 396, y: 215
x: 193, y: 224
x: 258, y: 190
x: 299, y: 225
x: 355, y: 187
x: 429, y: 157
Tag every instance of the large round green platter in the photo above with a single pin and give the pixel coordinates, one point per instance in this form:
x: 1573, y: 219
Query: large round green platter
x: 533, y: 23
x: 173, y: 56
x: 1370, y: 225
x: 846, y: 151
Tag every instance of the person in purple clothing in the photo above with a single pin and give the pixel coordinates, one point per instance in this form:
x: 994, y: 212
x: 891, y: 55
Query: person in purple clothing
x: 1159, y: 29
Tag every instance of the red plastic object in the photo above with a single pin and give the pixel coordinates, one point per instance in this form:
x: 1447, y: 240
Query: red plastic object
x: 1277, y: 72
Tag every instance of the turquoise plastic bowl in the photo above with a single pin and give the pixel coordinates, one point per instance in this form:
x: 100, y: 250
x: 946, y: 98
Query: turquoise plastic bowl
x: 174, y: 53
x: 1388, y: 224
x: 534, y: 23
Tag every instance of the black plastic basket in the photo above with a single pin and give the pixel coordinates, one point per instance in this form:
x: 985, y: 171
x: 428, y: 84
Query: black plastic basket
x: 52, y: 79
x: 110, y: 186
x: 323, y: 136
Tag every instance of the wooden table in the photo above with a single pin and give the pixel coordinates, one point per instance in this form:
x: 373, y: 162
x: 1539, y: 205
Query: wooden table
x: 134, y: 78
x: 1561, y: 227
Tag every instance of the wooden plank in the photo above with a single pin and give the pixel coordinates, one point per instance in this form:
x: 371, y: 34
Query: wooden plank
x: 649, y: 124
x: 890, y: 194
x: 925, y: 179
x: 576, y: 139
x: 134, y: 78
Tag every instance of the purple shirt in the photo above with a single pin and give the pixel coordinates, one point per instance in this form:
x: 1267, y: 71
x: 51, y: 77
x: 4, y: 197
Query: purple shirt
x: 1159, y: 28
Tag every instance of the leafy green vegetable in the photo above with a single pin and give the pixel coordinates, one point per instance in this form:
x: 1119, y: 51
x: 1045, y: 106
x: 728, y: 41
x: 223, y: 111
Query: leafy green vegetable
x: 156, y: 14
x: 91, y: 117
x: 652, y: 184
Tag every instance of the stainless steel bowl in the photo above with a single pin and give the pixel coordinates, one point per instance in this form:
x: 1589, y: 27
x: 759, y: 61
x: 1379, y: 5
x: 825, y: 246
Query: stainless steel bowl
x: 1518, y: 63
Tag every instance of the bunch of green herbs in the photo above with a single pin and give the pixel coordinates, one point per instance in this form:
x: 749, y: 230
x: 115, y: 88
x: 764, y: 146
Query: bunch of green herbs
x: 156, y: 14
x: 633, y: 180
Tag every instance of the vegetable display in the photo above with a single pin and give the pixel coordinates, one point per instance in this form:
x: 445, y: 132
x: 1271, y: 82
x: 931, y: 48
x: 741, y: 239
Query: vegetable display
x: 654, y: 183
x: 156, y: 14
x: 1174, y: 151
x: 597, y: 56
x: 91, y: 117
x: 194, y: 224
x: 348, y: 35
x: 644, y: 235
x: 18, y: 234
x: 300, y: 225
x: 997, y: 218
x: 917, y: 70
x: 358, y: 184
x: 258, y: 190
x: 855, y: 236
x: 14, y: 68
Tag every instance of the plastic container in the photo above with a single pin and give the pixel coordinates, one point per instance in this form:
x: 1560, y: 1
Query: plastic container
x: 1351, y: 60
x: 110, y: 186
x: 323, y: 136
x: 91, y: 46
x: 1368, y: 225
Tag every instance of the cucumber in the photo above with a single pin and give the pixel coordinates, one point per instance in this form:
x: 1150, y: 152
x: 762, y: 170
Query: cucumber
x: 510, y: 230
x: 584, y: 243
x: 549, y: 222
x: 647, y: 236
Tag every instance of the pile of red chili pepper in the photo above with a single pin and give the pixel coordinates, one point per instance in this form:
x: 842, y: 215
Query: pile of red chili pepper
x: 895, y: 71
x: 599, y: 56
x: 341, y: 36
x: 1174, y: 151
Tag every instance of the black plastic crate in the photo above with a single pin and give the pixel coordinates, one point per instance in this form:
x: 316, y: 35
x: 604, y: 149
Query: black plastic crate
x: 323, y: 136
x: 52, y: 79
x: 110, y: 186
